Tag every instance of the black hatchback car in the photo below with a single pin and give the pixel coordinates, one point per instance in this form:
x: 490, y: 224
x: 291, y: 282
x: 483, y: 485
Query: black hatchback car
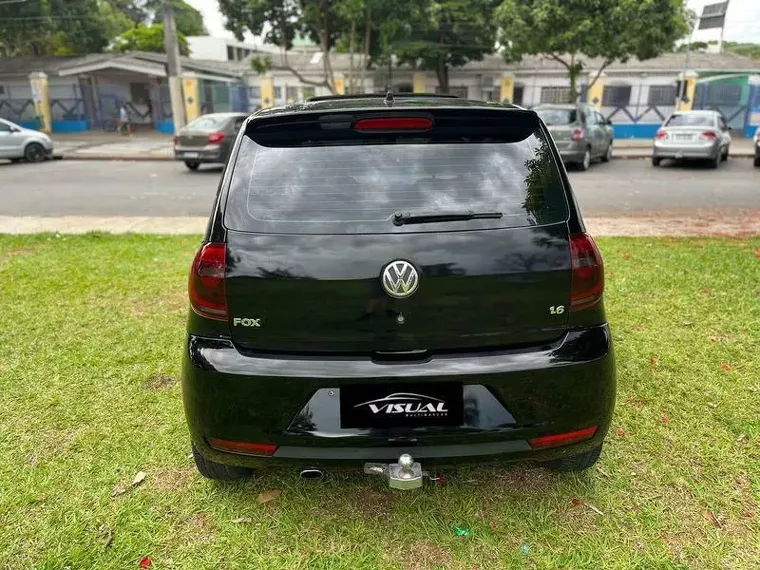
x: 395, y: 283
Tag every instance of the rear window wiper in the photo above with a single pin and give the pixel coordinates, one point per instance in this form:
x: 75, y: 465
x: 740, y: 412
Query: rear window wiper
x: 401, y: 218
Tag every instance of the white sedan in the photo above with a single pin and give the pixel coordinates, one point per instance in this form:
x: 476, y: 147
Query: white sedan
x: 17, y: 143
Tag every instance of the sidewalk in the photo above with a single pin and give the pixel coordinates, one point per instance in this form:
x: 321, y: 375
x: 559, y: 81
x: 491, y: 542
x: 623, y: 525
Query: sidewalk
x: 113, y: 146
x: 157, y: 146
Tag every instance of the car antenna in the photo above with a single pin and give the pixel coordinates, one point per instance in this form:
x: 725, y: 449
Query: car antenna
x: 389, y: 100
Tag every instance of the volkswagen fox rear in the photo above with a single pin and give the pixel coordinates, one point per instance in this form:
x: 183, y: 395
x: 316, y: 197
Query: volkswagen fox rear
x: 380, y: 280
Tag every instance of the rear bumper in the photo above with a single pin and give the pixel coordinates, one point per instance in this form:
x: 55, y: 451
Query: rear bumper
x: 705, y: 151
x: 556, y: 389
x: 572, y: 151
x: 210, y: 153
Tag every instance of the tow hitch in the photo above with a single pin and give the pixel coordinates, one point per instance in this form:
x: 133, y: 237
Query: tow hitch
x: 405, y: 474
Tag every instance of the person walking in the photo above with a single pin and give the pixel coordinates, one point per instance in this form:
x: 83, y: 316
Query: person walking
x: 125, y: 128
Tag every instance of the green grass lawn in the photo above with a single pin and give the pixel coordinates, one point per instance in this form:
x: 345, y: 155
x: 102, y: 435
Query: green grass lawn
x: 91, y: 336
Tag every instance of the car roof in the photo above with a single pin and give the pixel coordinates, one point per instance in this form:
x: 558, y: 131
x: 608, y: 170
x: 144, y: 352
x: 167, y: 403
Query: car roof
x: 369, y: 102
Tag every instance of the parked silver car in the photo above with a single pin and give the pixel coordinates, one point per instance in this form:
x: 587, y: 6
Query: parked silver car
x: 693, y: 135
x: 17, y: 143
x: 580, y: 132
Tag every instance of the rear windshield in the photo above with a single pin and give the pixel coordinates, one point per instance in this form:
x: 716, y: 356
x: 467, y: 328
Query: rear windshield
x: 691, y: 120
x: 208, y: 122
x: 557, y: 116
x: 356, y: 186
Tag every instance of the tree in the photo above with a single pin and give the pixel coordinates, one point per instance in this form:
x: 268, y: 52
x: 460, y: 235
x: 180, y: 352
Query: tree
x: 568, y: 31
x: 146, y: 38
x: 441, y: 34
x: 188, y: 20
x: 51, y: 27
x: 279, y: 21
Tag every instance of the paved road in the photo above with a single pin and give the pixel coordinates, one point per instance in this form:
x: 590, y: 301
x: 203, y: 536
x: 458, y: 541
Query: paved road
x: 621, y: 187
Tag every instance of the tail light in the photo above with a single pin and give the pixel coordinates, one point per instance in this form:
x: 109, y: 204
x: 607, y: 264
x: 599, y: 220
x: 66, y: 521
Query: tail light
x: 562, y: 438
x: 242, y: 447
x: 394, y: 124
x: 661, y: 135
x: 587, y: 270
x: 215, y: 138
x: 708, y: 136
x: 208, y: 293
x: 577, y: 135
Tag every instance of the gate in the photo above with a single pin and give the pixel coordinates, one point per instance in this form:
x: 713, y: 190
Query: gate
x: 728, y: 96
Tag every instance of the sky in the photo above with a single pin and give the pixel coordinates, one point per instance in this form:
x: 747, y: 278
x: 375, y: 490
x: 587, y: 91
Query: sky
x: 742, y: 21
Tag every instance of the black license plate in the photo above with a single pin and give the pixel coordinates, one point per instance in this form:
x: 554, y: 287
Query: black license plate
x: 401, y: 405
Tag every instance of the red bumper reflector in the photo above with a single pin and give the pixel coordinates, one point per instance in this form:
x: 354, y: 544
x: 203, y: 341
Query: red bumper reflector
x: 562, y: 438
x: 394, y: 124
x: 261, y: 449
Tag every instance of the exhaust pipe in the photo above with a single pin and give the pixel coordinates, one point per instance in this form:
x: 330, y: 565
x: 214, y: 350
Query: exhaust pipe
x: 312, y: 473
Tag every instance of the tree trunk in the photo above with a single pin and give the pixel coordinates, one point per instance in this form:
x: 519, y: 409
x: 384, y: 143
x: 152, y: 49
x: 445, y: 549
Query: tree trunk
x: 365, y: 48
x: 324, y: 40
x: 351, y: 49
x: 442, y: 71
x: 573, y: 73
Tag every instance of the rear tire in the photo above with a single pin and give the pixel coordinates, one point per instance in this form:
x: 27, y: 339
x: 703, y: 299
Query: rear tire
x: 191, y: 165
x: 576, y: 462
x: 656, y: 161
x: 725, y: 154
x: 607, y: 156
x: 584, y: 164
x: 757, y: 161
x: 714, y: 162
x: 34, y: 152
x: 218, y: 471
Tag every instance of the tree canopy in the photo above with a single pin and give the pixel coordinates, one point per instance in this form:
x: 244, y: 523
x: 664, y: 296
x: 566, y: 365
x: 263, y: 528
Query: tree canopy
x: 146, y: 38
x: 440, y: 34
x: 51, y: 27
x: 568, y: 31
x: 426, y: 34
x: 69, y: 27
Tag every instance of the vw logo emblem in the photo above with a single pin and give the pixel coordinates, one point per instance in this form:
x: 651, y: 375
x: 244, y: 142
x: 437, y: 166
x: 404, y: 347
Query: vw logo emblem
x: 400, y: 279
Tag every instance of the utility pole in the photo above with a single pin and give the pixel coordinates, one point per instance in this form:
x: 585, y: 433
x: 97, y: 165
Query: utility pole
x: 173, y: 66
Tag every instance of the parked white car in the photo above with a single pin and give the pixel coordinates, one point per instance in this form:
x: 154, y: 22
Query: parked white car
x: 690, y: 135
x: 18, y: 143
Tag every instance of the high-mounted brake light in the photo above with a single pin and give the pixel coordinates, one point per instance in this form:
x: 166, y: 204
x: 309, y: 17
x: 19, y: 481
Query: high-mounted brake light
x: 215, y: 138
x: 577, y: 135
x: 242, y: 447
x: 587, y: 272
x: 562, y: 438
x: 208, y: 292
x: 394, y: 124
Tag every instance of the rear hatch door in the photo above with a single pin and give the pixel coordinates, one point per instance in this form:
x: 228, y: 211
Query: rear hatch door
x: 310, y: 217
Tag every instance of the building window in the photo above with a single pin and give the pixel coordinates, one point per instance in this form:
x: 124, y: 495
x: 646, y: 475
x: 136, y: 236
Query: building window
x: 517, y: 95
x: 616, y: 95
x: 555, y: 95
x: 460, y: 91
x: 254, y: 92
x: 663, y: 95
x: 277, y: 94
x: 230, y: 53
x: 491, y: 94
x: 308, y: 92
x: 291, y: 94
x: 723, y: 93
